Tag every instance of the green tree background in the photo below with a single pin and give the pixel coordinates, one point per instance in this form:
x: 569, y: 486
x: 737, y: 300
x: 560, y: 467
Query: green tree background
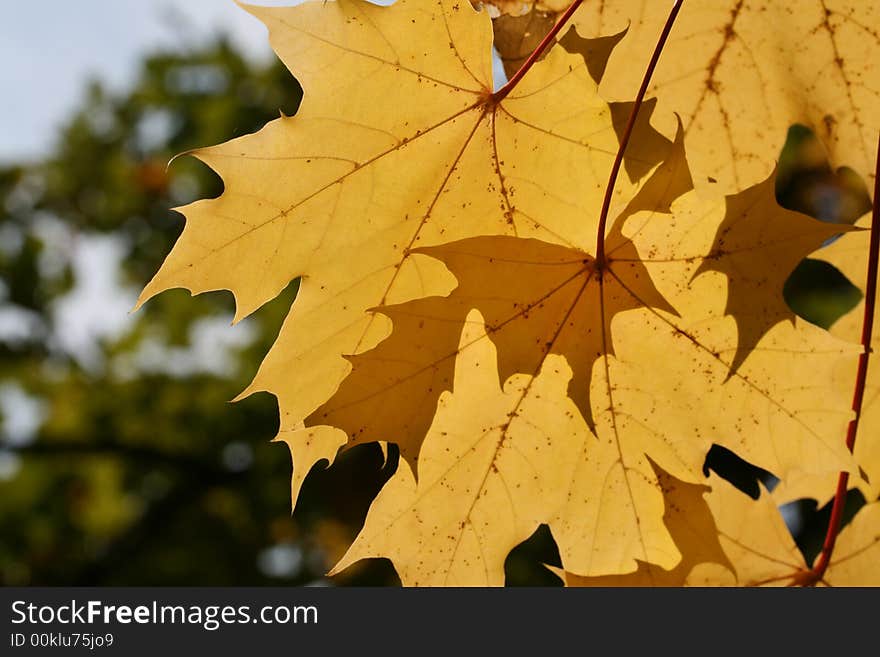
x: 138, y: 471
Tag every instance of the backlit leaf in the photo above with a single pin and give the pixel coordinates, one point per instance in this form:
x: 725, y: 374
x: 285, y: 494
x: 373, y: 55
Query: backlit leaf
x: 739, y: 72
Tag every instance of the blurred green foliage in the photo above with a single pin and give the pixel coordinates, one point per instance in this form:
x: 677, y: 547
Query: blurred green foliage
x: 138, y: 472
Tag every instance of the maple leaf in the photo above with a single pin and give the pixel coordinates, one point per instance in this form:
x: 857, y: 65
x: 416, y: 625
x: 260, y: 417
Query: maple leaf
x: 490, y: 473
x: 740, y: 73
x: 691, y: 524
x: 757, y: 547
x: 487, y: 474
x: 452, y: 301
x: 754, y: 538
x: 398, y: 143
x: 849, y: 254
x: 660, y: 368
x: 858, y: 551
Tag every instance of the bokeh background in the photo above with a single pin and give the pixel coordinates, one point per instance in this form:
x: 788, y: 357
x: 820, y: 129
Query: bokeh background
x: 121, y: 462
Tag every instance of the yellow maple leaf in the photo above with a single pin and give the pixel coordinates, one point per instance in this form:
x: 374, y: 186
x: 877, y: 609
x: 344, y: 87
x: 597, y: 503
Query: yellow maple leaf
x: 757, y: 546
x: 754, y: 537
x: 849, y: 254
x: 858, y: 551
x: 666, y: 352
x: 691, y: 524
x: 496, y: 463
x: 740, y: 73
x: 398, y: 143
x: 487, y: 474
x: 404, y: 184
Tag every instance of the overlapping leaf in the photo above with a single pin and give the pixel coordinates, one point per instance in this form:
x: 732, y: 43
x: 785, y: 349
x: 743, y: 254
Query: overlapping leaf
x: 489, y: 474
x: 740, y: 72
x: 451, y: 301
x: 667, y: 356
x: 398, y: 144
x: 757, y: 544
x: 849, y: 255
x: 690, y: 522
